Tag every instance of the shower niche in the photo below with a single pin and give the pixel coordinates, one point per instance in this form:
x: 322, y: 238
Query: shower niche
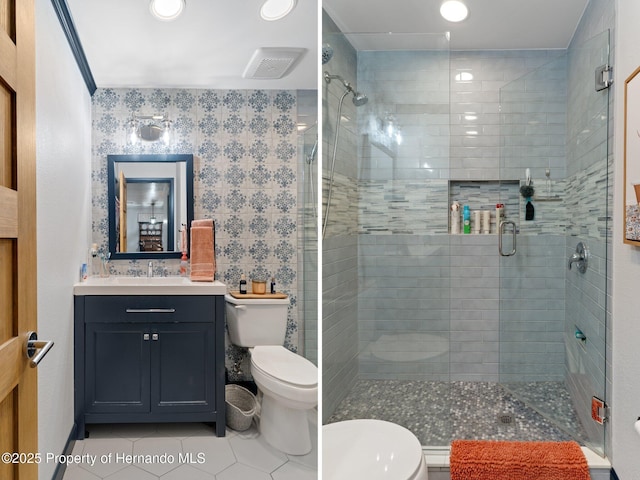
x: 484, y: 195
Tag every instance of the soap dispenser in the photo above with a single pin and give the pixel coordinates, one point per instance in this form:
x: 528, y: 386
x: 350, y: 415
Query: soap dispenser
x: 94, y: 261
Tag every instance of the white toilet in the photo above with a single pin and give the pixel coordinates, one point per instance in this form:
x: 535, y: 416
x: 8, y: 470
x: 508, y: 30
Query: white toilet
x: 371, y: 449
x: 288, y: 382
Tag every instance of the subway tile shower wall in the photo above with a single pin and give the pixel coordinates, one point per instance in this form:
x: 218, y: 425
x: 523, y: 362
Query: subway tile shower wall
x: 245, y: 151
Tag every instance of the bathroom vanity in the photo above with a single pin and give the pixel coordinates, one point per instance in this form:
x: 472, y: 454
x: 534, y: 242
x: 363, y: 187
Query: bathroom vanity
x: 149, y: 350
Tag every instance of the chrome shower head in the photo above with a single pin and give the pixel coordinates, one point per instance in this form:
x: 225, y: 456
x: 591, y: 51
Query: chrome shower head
x: 359, y: 99
x: 327, y: 53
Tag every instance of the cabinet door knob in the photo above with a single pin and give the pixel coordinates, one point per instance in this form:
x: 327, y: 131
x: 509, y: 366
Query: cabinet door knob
x: 154, y: 336
x: 145, y: 336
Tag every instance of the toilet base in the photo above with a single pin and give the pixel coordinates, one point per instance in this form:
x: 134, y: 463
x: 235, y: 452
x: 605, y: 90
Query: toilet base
x: 284, y: 428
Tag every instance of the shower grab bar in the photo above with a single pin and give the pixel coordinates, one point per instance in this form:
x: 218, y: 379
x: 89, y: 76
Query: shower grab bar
x: 501, y: 231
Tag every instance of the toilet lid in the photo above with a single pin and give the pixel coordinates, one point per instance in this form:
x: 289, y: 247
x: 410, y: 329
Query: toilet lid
x: 371, y: 449
x: 283, y: 364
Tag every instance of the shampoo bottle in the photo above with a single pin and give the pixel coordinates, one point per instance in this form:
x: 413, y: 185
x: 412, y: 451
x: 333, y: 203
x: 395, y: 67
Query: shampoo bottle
x: 243, y: 284
x: 466, y: 218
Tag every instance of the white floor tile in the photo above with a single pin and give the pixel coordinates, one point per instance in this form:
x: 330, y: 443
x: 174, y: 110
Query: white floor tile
x: 217, y: 452
x: 237, y: 456
x: 187, y: 472
x: 109, y: 447
x: 294, y: 471
x: 257, y: 453
x: 131, y: 473
x: 74, y: 472
x: 168, y: 450
x: 242, y: 472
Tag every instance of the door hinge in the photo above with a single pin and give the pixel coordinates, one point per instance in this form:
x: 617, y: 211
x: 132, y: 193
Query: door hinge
x: 604, y: 77
x: 599, y: 410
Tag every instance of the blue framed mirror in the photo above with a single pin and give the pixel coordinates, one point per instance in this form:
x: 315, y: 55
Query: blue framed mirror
x: 150, y: 199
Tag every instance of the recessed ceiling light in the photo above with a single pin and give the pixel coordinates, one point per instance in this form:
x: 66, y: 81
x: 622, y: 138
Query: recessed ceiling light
x: 166, y: 9
x: 454, y: 11
x: 276, y: 9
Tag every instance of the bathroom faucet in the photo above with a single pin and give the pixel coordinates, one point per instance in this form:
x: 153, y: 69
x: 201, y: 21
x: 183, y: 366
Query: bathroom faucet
x: 150, y: 269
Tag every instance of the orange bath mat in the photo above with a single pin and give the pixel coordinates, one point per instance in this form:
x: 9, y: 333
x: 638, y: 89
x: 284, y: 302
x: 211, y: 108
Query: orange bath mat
x: 497, y: 460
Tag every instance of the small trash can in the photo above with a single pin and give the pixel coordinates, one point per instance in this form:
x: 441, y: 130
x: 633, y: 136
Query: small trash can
x: 241, y: 407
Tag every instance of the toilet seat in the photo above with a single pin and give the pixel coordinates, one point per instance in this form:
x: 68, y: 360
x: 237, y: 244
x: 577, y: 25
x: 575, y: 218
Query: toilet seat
x: 371, y: 449
x: 285, y: 366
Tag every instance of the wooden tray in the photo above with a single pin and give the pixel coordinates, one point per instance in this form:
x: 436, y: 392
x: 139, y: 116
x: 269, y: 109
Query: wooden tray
x: 253, y: 296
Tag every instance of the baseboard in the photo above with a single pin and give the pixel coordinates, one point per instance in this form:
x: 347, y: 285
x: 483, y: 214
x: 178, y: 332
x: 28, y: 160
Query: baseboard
x: 68, y: 448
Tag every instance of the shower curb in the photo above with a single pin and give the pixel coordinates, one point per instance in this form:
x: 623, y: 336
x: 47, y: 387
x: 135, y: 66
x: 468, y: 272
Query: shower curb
x: 437, y: 459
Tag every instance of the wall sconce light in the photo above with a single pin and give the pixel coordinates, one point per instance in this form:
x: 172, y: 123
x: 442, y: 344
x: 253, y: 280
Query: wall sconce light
x: 149, y: 128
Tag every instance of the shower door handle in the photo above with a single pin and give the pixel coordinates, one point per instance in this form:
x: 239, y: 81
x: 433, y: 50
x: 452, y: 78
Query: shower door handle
x: 500, y: 233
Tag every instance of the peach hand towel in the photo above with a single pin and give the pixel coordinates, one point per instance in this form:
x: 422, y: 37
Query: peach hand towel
x: 203, y: 266
x: 205, y: 222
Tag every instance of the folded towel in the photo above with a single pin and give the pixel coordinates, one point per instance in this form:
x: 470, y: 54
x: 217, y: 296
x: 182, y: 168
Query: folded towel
x: 502, y: 460
x: 203, y: 261
x: 205, y: 222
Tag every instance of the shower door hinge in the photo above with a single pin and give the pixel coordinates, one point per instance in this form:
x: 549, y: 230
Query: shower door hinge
x: 604, y: 77
x: 599, y: 410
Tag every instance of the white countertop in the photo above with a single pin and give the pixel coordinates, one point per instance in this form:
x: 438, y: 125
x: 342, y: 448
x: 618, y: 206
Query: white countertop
x: 147, y: 286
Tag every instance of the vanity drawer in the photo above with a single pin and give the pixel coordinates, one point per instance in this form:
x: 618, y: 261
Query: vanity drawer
x: 149, y: 308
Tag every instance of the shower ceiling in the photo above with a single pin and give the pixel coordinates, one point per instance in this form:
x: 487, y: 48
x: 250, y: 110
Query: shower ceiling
x: 208, y: 46
x: 491, y: 25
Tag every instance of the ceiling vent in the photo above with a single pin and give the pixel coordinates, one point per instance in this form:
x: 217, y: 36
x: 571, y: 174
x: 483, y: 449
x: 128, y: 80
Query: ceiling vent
x: 269, y: 63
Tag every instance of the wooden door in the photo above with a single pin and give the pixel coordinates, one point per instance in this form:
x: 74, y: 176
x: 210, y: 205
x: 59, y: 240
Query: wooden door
x: 18, y: 382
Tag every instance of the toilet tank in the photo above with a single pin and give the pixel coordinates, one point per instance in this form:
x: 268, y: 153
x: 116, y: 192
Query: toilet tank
x: 254, y: 322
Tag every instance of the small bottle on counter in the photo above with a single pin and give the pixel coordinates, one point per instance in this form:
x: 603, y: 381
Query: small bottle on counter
x: 184, y: 264
x: 243, y: 284
x: 273, y: 285
x: 94, y: 261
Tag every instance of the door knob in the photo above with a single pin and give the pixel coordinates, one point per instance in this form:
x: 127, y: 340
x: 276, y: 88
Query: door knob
x: 33, y: 345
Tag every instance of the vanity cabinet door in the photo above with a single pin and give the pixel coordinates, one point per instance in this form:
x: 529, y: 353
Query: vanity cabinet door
x: 182, y: 367
x: 117, y: 368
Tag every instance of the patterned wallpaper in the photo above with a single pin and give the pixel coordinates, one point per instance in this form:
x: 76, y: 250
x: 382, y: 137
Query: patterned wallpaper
x: 244, y: 144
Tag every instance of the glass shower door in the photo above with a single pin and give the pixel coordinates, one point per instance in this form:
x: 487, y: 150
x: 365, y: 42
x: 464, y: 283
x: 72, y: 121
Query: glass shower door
x: 554, y: 131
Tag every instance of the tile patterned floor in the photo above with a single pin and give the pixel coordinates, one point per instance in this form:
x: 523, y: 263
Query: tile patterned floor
x: 438, y: 412
x: 191, y: 452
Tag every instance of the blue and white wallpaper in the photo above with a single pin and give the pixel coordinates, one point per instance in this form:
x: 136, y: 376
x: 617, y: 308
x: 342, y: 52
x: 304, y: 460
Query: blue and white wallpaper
x: 245, y: 151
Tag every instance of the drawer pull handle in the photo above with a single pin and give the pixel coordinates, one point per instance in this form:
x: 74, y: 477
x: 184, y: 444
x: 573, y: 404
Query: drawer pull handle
x: 151, y: 310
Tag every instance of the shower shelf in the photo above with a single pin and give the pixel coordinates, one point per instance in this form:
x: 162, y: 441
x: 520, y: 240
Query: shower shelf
x: 547, y: 199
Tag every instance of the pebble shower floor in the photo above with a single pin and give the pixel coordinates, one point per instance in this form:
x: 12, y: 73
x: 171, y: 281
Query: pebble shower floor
x: 438, y: 412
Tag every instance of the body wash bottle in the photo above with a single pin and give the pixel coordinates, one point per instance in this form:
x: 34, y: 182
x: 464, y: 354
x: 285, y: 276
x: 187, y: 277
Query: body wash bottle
x: 466, y: 218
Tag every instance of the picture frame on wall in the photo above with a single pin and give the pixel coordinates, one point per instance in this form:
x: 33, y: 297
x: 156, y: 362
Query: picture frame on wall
x: 631, y: 185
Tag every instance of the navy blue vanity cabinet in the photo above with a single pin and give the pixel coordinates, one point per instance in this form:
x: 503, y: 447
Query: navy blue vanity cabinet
x: 149, y: 358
